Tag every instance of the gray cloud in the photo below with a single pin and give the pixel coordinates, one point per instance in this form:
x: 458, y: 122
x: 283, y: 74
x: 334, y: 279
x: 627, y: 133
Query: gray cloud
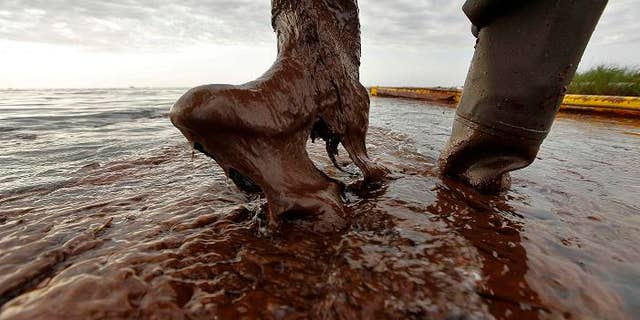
x: 135, y: 24
x: 442, y: 22
x: 166, y: 24
x: 619, y: 23
x: 140, y: 24
x: 414, y: 23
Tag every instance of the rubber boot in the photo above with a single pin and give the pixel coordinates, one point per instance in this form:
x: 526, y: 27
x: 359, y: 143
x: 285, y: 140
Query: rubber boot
x: 257, y: 132
x: 526, y: 54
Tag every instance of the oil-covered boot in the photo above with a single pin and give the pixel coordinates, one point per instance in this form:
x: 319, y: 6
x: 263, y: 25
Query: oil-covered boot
x: 526, y: 54
x: 257, y: 132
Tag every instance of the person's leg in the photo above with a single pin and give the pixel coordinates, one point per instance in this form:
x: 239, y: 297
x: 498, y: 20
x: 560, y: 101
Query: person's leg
x: 257, y: 132
x: 526, y: 54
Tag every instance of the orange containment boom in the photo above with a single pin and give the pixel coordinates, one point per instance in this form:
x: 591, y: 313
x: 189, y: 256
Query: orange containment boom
x: 433, y: 94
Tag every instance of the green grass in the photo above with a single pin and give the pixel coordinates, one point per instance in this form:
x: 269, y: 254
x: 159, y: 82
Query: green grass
x: 607, y: 80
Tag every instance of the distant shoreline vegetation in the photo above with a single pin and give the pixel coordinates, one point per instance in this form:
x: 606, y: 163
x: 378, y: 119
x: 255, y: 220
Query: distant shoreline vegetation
x: 608, y: 80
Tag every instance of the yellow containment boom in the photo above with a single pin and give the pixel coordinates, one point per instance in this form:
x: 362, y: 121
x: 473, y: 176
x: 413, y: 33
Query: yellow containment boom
x: 628, y: 103
x: 571, y: 102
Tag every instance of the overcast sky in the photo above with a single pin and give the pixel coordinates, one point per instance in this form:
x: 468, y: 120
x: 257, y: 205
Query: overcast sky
x: 120, y: 43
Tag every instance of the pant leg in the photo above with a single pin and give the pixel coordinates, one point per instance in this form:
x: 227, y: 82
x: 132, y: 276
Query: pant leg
x: 526, y: 54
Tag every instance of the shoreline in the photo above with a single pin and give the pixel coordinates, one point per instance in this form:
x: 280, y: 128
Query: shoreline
x: 577, y: 103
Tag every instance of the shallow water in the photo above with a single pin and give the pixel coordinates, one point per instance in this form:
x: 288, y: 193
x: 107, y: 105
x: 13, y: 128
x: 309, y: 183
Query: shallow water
x: 104, y: 214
